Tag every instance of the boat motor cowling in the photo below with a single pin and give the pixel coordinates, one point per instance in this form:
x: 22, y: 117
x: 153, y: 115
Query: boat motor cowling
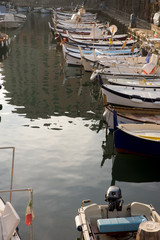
x: 114, y: 197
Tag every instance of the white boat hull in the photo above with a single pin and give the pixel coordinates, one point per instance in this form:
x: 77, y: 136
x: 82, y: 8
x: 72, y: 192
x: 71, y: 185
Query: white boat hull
x: 131, y: 97
x: 90, y: 217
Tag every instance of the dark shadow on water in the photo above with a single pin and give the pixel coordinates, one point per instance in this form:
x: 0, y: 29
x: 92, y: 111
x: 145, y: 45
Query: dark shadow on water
x: 130, y: 168
x: 107, y: 148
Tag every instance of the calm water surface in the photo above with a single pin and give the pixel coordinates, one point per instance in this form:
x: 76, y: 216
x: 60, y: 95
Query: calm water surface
x: 51, y: 114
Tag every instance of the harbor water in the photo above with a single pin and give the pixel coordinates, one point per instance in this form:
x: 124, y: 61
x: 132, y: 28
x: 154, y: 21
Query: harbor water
x: 51, y: 113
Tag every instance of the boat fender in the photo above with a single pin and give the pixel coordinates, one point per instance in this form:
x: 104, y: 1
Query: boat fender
x: 78, y: 223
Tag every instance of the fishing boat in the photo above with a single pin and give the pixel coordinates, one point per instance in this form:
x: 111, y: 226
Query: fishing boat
x: 115, y: 40
x: 137, y: 82
x: 80, y: 26
x: 58, y: 32
x: 148, y: 70
x: 64, y: 15
x: 74, y: 57
x: 10, y: 21
x: 129, y: 115
x: 140, y: 97
x: 75, y: 19
x: 139, y: 139
x: 115, y: 220
x: 92, y: 46
x: 95, y: 61
x: 96, y: 34
x: 68, y: 16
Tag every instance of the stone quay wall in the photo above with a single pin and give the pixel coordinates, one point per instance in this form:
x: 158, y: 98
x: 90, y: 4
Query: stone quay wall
x: 143, y: 9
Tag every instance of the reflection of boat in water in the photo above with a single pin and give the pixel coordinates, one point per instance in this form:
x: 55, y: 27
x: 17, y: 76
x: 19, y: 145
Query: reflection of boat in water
x: 108, y: 148
x: 4, y: 46
x: 4, y: 53
x: 72, y: 71
x: 129, y: 168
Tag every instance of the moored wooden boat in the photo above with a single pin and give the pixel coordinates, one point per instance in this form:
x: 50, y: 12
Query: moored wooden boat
x: 95, y: 34
x: 116, y: 220
x: 139, y: 139
x: 10, y: 21
x: 92, y: 46
x: 64, y: 15
x: 115, y: 40
x: 91, y: 62
x: 148, y: 70
x: 131, y: 96
x: 131, y: 72
x: 137, y: 82
x: 130, y: 115
x: 74, y: 57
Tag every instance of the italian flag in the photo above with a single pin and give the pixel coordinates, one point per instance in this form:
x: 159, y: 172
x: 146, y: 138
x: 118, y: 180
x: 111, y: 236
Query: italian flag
x: 29, y: 214
x: 155, y: 34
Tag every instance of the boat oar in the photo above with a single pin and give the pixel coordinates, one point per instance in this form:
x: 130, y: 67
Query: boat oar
x: 133, y: 47
x: 124, y: 45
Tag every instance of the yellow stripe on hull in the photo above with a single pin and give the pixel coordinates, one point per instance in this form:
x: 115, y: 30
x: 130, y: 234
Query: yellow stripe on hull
x: 150, y: 137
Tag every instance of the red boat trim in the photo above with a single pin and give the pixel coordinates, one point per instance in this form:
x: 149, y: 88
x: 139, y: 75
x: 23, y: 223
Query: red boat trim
x: 121, y: 150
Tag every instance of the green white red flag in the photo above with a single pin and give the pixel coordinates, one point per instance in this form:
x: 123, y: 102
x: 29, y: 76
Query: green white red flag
x: 29, y: 214
x: 155, y: 34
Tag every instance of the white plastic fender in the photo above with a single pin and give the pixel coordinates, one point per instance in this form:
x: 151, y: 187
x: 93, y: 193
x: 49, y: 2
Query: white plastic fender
x: 78, y: 223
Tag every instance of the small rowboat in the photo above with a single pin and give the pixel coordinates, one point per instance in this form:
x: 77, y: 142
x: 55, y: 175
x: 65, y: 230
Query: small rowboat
x: 138, y: 82
x: 139, y: 139
x: 130, y: 115
x: 149, y: 70
x: 139, y: 97
x: 74, y: 57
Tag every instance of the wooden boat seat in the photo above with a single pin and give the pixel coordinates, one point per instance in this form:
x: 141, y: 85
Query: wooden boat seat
x: 122, y: 224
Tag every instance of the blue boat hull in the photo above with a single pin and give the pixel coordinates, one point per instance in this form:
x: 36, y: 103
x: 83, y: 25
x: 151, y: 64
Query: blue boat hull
x: 126, y: 143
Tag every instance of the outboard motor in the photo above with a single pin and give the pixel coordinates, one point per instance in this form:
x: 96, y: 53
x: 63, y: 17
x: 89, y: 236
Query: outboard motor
x: 114, y: 197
